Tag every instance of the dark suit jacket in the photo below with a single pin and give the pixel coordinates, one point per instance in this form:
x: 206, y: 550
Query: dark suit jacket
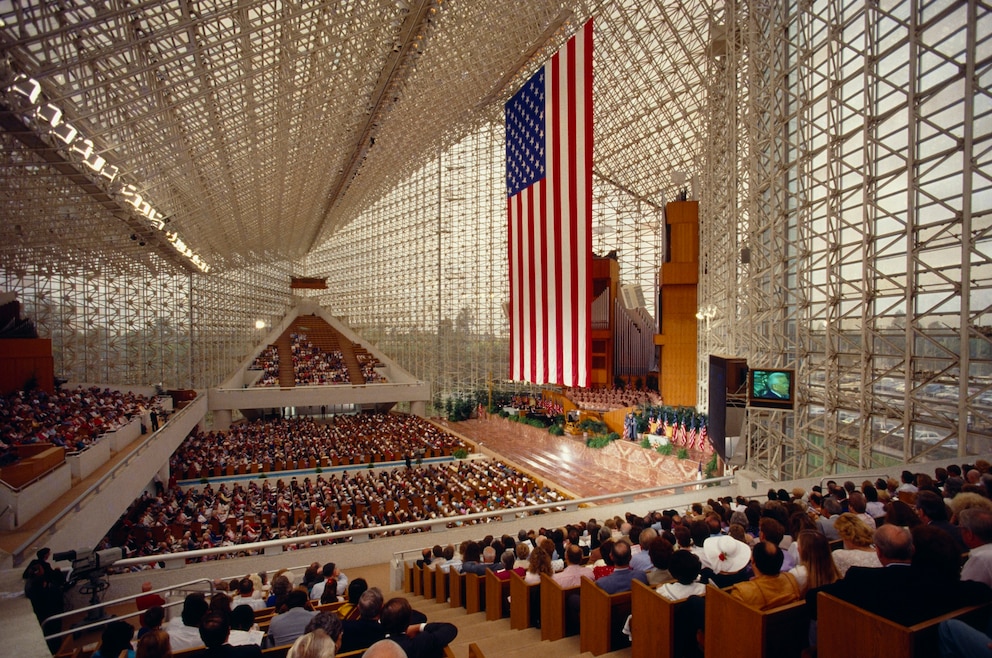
x: 478, y: 568
x: 227, y: 651
x: 904, y: 594
x: 360, y: 634
x: 428, y: 643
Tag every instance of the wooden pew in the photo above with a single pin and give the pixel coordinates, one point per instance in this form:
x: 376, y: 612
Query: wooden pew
x: 475, y: 593
x: 525, y: 603
x: 429, y: 581
x: 865, y: 632
x: 745, y: 632
x: 554, y: 625
x: 497, y: 591
x: 652, y: 623
x: 456, y: 588
x: 601, y: 618
x: 474, y: 651
x: 418, y: 580
x: 408, y: 577
x: 440, y: 585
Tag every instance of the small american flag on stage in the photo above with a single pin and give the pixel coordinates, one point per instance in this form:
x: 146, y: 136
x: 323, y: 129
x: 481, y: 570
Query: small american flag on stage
x: 549, y: 206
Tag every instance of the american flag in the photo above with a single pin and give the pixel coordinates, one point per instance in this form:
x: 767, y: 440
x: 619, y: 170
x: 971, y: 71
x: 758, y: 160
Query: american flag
x: 549, y: 206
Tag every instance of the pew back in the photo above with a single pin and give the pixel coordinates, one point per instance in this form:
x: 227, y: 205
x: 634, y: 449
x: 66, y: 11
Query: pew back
x: 602, y: 617
x: 456, y: 586
x: 440, y: 586
x: 554, y: 611
x: 652, y: 623
x: 866, y: 633
x: 475, y: 593
x: 497, y: 592
x: 524, y: 598
x: 735, y: 629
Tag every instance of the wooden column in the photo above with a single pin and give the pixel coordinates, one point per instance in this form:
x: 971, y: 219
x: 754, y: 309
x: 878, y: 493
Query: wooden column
x: 679, y: 304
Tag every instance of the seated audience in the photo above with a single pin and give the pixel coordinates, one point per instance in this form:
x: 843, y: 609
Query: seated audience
x: 426, y: 640
x: 893, y: 590
x: 244, y: 630
x: 858, y: 549
x: 684, y: 567
x: 770, y: 587
x: 571, y: 575
x: 184, y: 631
x: 623, y: 576
x: 539, y: 561
x: 730, y: 559
x: 154, y: 644
x: 116, y: 639
x: 314, y: 644
x: 214, y: 631
x: 291, y: 624
x: 976, y: 531
x: 815, y: 565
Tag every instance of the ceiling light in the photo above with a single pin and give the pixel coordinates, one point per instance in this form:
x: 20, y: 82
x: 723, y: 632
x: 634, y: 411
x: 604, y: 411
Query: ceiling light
x: 94, y: 162
x: 65, y: 132
x: 50, y: 114
x: 83, y: 147
x: 27, y: 87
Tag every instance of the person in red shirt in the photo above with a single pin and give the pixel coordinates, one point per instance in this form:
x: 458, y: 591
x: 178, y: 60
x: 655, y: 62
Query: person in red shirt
x: 146, y: 600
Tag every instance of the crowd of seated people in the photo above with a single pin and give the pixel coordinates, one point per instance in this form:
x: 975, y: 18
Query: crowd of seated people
x: 768, y: 553
x: 320, y: 613
x: 176, y: 520
x: 291, y: 441
x: 314, y: 366
x: 920, y: 530
x: 368, y: 364
x: 608, y: 399
x: 268, y: 363
x: 72, y: 419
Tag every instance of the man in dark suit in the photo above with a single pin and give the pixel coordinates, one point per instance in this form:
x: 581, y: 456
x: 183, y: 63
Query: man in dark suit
x: 623, y: 576
x: 214, y: 631
x: 366, y: 630
x: 418, y: 640
x: 900, y: 591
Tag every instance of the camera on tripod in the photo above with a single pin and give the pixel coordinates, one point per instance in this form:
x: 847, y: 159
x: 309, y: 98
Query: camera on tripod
x: 87, y: 563
x: 90, y: 568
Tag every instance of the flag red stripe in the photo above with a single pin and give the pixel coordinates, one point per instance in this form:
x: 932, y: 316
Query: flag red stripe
x: 571, y: 179
x: 550, y: 234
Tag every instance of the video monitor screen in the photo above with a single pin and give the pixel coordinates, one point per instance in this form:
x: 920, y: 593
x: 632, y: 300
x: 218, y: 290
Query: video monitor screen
x: 771, y: 388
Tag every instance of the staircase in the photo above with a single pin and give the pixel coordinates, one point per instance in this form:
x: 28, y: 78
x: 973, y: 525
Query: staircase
x: 287, y: 376
x: 495, y: 639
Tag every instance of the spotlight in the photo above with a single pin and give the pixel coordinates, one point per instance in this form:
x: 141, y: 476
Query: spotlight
x: 134, y: 237
x: 141, y: 243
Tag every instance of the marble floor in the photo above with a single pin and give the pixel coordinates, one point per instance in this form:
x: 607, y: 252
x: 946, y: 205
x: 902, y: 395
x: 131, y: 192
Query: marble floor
x: 566, y: 462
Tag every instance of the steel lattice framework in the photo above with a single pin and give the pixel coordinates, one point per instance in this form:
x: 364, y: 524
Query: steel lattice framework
x: 840, y: 152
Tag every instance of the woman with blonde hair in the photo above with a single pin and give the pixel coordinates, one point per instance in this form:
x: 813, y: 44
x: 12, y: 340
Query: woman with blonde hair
x: 315, y: 644
x: 858, y: 544
x: 154, y: 644
x: 539, y: 562
x: 815, y: 566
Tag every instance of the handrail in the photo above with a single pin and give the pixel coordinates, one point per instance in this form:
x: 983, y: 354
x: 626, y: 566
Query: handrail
x: 123, y: 599
x: 341, y: 385
x: 49, y: 527
x: 362, y: 534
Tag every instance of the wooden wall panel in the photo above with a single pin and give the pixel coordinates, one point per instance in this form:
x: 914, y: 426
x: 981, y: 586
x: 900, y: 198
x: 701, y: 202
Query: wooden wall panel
x: 679, y: 279
x: 23, y: 358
